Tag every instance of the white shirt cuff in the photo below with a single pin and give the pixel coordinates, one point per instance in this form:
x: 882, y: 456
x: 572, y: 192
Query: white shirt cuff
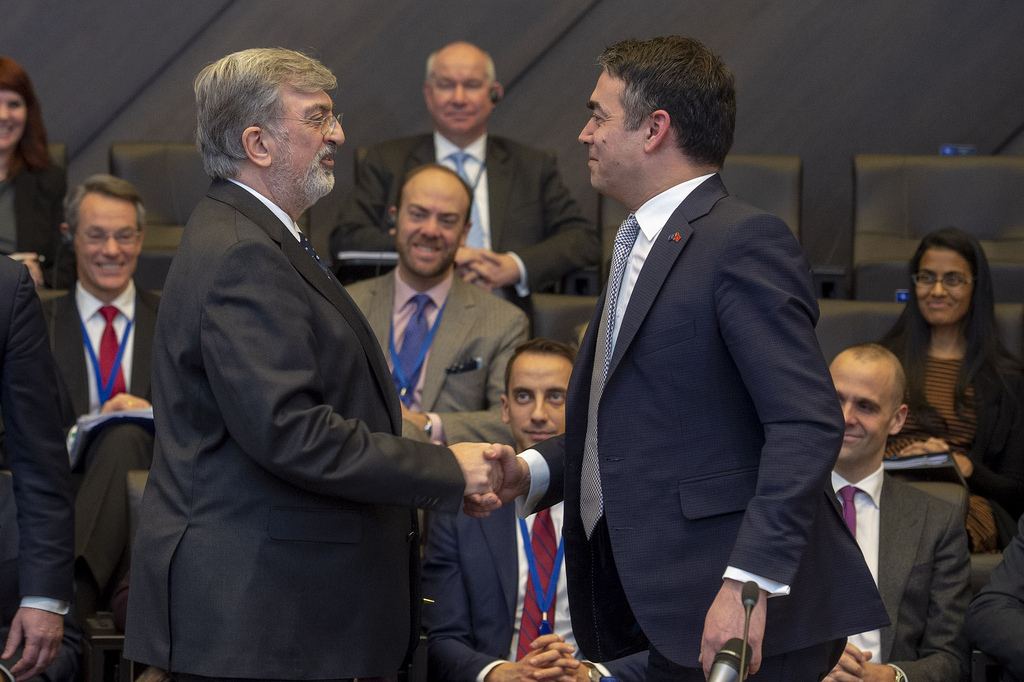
x: 773, y: 588
x: 523, y: 285
x: 46, y: 604
x: 488, y: 668
x: 436, y: 429
x: 540, y: 478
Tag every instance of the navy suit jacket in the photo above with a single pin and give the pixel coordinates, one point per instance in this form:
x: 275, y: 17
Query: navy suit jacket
x: 36, y: 525
x: 471, y: 571
x: 276, y: 537
x: 995, y: 619
x: 718, y: 429
x: 531, y: 210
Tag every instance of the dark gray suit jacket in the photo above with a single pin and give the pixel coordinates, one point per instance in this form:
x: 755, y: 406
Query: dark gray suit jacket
x: 276, y: 538
x: 924, y: 576
x: 475, y: 324
x: 996, y: 617
x: 531, y: 210
x: 69, y: 352
x: 38, y: 213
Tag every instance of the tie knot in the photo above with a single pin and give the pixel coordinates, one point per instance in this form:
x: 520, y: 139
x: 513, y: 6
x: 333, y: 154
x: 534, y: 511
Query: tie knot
x: 421, y: 301
x: 627, y: 231
x: 109, y: 312
x: 847, y: 492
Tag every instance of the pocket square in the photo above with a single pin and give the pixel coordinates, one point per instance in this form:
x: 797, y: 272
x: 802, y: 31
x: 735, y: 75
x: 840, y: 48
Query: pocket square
x: 465, y: 366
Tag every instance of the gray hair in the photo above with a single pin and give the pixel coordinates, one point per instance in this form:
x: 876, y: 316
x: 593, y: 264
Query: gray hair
x: 108, y: 186
x: 243, y: 90
x: 489, y: 70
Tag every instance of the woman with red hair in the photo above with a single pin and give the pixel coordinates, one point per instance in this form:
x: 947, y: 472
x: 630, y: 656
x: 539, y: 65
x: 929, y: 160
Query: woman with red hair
x: 31, y: 188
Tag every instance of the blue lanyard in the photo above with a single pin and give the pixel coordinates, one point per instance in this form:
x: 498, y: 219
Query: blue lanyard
x: 544, y: 601
x: 400, y: 372
x: 103, y: 388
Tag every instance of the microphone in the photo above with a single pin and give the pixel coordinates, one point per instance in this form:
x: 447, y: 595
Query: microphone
x: 735, y: 654
x: 727, y: 664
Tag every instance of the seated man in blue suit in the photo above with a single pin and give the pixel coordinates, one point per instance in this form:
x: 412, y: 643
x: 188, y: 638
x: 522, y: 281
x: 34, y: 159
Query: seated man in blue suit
x: 996, y: 616
x: 914, y: 543
x: 477, y: 626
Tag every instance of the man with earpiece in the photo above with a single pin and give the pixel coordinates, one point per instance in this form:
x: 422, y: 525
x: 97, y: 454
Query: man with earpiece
x: 527, y: 231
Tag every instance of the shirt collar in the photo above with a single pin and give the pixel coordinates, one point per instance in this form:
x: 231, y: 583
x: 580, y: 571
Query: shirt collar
x: 274, y: 208
x: 437, y: 293
x: 443, y: 147
x: 89, y: 305
x: 870, y: 484
x: 653, y: 215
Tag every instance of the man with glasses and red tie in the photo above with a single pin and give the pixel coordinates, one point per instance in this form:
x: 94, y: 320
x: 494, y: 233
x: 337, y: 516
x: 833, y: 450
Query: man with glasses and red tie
x: 102, y: 337
x: 914, y: 543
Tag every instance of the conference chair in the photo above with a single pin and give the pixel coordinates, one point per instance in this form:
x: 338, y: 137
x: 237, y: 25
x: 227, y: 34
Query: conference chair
x: 771, y: 182
x: 899, y: 199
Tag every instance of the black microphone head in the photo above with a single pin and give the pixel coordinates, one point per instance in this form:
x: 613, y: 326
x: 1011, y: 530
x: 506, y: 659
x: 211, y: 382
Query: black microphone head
x: 751, y: 593
x: 726, y: 666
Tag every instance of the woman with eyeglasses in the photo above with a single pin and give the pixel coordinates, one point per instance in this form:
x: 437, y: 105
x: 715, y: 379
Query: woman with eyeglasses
x: 31, y: 188
x: 964, y: 388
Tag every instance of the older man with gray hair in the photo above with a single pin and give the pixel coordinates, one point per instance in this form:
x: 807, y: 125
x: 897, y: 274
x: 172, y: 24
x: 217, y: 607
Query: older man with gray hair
x: 277, y: 539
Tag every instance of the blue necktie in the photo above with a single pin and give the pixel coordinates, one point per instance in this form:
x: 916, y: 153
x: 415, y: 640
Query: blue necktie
x: 412, y: 344
x: 475, y: 238
x: 308, y: 246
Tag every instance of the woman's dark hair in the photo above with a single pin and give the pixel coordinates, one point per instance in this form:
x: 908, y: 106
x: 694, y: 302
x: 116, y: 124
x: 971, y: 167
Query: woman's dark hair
x: 986, y: 359
x: 31, y: 151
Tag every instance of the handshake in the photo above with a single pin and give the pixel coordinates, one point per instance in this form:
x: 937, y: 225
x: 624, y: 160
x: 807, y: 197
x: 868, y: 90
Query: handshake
x: 494, y: 476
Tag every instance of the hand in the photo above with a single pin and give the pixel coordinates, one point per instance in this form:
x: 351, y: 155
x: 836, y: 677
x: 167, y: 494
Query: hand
x: 417, y: 419
x: 485, y: 268
x: 31, y: 261
x: 725, y: 621
x: 853, y: 666
x: 124, y: 401
x: 964, y: 463
x: 552, y: 653
x: 515, y: 481
x: 41, y: 632
x: 924, y: 447
x: 482, y: 473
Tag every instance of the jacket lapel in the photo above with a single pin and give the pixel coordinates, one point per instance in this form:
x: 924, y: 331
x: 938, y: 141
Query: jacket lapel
x: 499, y: 185
x: 254, y: 210
x: 898, y: 531
x: 660, y: 260
x: 69, y: 352
x: 452, y: 332
x: 499, y: 531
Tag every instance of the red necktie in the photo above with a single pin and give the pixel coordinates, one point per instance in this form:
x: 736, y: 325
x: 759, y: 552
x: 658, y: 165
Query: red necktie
x: 108, y: 351
x: 544, y: 550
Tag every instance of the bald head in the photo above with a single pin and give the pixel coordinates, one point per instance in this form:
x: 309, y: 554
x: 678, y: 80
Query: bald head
x: 460, y: 91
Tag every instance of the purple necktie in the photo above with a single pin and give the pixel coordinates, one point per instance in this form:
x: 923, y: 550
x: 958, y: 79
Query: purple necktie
x: 849, y: 511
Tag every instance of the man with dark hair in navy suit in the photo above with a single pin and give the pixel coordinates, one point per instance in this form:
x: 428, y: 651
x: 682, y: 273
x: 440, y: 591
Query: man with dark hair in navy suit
x: 702, y: 423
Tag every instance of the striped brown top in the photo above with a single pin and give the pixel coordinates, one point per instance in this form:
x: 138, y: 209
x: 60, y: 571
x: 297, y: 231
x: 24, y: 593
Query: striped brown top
x: 940, y: 381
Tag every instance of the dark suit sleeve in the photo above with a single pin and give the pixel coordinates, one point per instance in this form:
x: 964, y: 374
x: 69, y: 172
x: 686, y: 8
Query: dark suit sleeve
x: 999, y: 473
x: 995, y: 621
x: 570, y: 241
x: 363, y: 220
x: 35, y: 447
x: 260, y: 349
x: 448, y: 621
x: 766, y: 308
x: 942, y: 651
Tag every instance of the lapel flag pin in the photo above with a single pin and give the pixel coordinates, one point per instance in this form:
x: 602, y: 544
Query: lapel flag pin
x: 675, y: 237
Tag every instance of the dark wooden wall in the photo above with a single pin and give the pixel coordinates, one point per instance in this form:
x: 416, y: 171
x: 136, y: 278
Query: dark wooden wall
x: 823, y: 79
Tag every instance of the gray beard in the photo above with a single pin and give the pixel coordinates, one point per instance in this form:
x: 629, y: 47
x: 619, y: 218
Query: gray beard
x: 299, y: 192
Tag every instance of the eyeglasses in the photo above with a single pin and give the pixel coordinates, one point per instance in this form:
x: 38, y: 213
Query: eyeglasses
x: 125, y: 237
x: 325, y: 125
x: 951, y: 281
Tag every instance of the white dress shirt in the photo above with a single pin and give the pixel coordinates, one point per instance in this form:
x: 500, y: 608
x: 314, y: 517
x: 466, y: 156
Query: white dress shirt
x: 95, y: 324
x: 476, y: 171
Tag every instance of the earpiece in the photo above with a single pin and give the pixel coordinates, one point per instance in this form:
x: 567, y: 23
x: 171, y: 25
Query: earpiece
x: 495, y: 93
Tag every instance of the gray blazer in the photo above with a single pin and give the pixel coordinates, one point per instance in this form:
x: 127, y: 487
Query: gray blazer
x: 475, y: 324
x: 923, y: 577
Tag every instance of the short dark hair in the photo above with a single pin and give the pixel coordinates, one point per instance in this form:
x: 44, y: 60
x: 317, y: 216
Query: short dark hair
x: 539, y: 346
x: 31, y: 150
x: 438, y: 167
x: 683, y: 77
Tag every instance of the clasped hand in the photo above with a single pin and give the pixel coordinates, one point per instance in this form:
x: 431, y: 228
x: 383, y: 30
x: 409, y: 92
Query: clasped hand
x: 493, y: 475
x: 485, y: 268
